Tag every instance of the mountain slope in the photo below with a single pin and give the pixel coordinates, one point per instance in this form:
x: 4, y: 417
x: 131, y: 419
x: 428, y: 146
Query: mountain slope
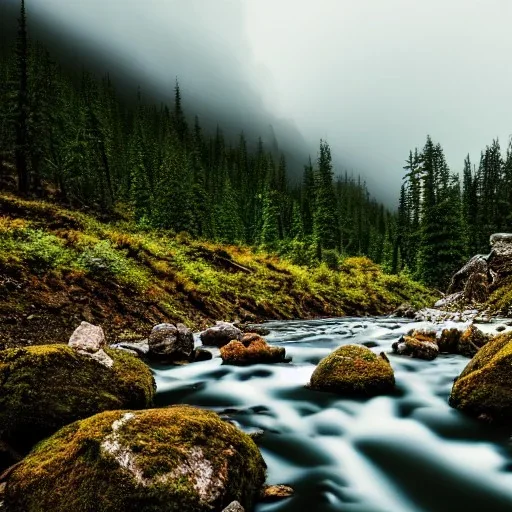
x: 58, y: 267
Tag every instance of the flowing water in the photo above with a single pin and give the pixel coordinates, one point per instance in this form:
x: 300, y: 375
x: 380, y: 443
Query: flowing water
x: 408, y: 452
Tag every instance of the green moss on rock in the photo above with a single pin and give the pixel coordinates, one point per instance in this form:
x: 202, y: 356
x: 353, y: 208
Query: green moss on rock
x: 167, y: 460
x: 353, y: 370
x: 45, y: 387
x: 484, y: 388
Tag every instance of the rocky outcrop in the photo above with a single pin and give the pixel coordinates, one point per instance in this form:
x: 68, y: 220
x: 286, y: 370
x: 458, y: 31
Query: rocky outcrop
x: 251, y: 349
x: 474, y: 282
x: 417, y: 344
x: 471, y: 282
x: 220, y: 334
x: 353, y: 370
x: 484, y: 388
x: 46, y: 387
x: 175, y: 459
x: 170, y: 343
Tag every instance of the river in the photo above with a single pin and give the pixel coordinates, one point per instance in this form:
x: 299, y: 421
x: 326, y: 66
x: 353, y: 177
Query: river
x: 409, y: 452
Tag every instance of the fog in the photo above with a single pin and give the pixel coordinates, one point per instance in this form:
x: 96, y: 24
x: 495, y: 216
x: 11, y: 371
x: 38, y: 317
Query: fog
x: 373, y: 77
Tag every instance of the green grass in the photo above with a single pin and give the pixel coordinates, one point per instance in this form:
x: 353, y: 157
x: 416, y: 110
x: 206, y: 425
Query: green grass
x: 120, y: 267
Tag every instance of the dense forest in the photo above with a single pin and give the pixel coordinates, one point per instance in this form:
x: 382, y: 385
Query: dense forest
x: 441, y: 222
x: 73, y: 139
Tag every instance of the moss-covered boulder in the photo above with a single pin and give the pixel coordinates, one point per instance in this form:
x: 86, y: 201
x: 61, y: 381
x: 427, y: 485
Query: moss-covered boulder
x: 484, y: 388
x: 251, y: 349
x: 353, y: 370
x: 179, y: 459
x: 45, y: 387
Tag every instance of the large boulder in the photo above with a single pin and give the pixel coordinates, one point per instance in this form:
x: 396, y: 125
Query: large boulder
x: 251, y: 349
x: 46, y: 387
x: 420, y: 345
x: 220, y: 334
x: 168, y: 342
x: 484, y: 388
x: 472, y: 281
x: 500, y: 258
x: 353, y: 370
x: 178, y: 459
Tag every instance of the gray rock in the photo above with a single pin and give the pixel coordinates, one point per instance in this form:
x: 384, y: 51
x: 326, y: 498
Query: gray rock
x: 100, y: 356
x: 88, y: 338
x: 139, y: 348
x: 168, y: 342
x: 220, y: 334
x: 405, y: 311
x: 234, y: 507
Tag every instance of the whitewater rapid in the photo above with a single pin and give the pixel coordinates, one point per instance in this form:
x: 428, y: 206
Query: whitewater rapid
x: 409, y: 452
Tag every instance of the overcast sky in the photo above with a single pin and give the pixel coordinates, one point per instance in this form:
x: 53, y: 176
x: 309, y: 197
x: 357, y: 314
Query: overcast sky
x: 373, y: 77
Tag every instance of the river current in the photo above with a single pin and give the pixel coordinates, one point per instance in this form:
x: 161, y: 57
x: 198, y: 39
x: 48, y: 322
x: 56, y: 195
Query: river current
x: 409, y: 452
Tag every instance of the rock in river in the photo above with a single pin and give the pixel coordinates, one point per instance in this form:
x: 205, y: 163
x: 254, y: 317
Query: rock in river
x: 169, y: 343
x: 251, y: 349
x: 418, y: 345
x: 353, y: 370
x: 484, y: 388
x: 178, y: 459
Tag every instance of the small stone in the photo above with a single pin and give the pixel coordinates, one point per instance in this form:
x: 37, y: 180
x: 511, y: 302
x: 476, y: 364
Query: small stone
x: 234, y: 507
x: 416, y: 347
x: 276, y: 492
x: 201, y: 354
x: 500, y: 328
x: 220, y: 334
x: 87, y: 337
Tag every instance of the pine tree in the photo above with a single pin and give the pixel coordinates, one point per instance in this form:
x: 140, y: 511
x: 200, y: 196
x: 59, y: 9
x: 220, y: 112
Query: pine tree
x: 325, y: 221
x: 22, y: 150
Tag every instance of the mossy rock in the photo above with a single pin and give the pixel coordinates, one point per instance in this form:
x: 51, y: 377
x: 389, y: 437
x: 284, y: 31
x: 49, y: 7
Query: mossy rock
x: 471, y: 341
x: 178, y: 459
x: 251, y: 349
x: 484, y: 388
x: 353, y: 370
x: 45, y: 387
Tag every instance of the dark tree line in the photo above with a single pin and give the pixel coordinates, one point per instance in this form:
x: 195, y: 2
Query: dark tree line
x: 74, y: 140
x: 442, y: 222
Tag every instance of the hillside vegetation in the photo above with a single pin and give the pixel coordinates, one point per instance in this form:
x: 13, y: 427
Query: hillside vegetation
x: 58, y: 267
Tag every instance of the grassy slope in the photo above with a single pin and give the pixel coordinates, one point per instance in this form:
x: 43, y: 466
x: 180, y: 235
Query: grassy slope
x: 58, y: 267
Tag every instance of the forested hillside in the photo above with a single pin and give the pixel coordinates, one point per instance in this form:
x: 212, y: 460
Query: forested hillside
x: 70, y: 138
x: 441, y: 222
